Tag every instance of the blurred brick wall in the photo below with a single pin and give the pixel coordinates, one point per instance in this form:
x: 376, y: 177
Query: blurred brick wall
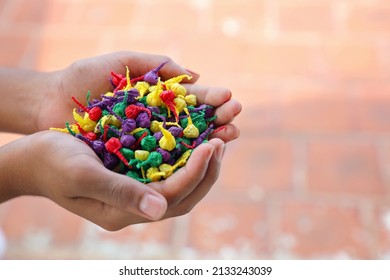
x: 309, y: 177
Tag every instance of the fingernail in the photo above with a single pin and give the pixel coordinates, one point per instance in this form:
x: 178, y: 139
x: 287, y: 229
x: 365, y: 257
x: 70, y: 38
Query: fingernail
x: 192, y: 72
x: 220, y: 152
x: 152, y: 206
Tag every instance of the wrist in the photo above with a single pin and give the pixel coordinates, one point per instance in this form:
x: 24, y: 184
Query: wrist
x: 12, y: 166
x: 41, y: 84
x: 22, y: 92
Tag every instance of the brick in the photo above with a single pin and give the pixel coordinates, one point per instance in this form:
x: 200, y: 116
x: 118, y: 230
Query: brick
x: 289, y: 60
x: 3, y: 3
x: 235, y: 20
x: 147, y: 45
x: 322, y: 230
x: 28, y: 216
x: 260, y: 60
x: 377, y: 91
x: 261, y: 162
x: 314, y: 17
x: 226, y: 230
x: 349, y: 60
x: 278, y: 59
x: 259, y: 90
x: 60, y: 51
x: 302, y: 2
x: 344, y: 166
x: 258, y: 97
x: 57, y: 12
x: 170, y: 19
x: 260, y: 119
x: 13, y: 48
x: 299, y: 112
x: 382, y: 223
x: 29, y: 12
x: 313, y: 115
x: 296, y: 75
x: 372, y: 115
x: 102, y: 13
x: 368, y: 18
x: 221, y: 56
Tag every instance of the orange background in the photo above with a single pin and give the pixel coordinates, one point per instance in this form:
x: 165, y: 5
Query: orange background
x: 309, y: 177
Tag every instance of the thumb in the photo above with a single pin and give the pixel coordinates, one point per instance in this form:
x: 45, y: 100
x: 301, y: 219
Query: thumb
x: 145, y: 62
x: 128, y: 194
x: 172, y: 69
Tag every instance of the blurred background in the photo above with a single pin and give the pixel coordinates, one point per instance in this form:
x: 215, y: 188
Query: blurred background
x: 309, y: 177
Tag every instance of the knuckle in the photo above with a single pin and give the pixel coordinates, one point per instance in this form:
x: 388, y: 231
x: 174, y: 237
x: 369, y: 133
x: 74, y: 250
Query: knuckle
x: 79, y: 67
x: 76, y: 66
x: 111, y: 219
x: 112, y: 226
x: 116, y: 195
x: 166, y: 58
x: 184, y: 209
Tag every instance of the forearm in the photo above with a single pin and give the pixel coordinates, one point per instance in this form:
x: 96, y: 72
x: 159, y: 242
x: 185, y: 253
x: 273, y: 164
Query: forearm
x: 11, y: 170
x: 20, y: 94
x: 20, y: 164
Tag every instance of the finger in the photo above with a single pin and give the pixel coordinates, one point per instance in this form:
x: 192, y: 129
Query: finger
x: 227, y: 112
x: 176, y: 187
x: 214, y: 96
x: 211, y: 176
x: 226, y: 133
x: 106, y: 216
x: 140, y: 63
x: 123, y: 192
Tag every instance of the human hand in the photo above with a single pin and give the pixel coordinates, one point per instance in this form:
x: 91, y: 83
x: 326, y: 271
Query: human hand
x: 68, y: 162
x: 92, y: 74
x: 64, y: 169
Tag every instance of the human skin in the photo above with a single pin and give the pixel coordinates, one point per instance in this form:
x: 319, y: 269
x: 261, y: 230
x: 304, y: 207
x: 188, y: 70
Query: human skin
x: 62, y: 168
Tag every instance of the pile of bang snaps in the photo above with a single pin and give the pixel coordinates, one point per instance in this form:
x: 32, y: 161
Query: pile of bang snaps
x: 145, y: 128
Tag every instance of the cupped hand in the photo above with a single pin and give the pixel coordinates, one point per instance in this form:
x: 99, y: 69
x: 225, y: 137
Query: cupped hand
x: 64, y: 169
x: 93, y: 74
x: 74, y: 177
